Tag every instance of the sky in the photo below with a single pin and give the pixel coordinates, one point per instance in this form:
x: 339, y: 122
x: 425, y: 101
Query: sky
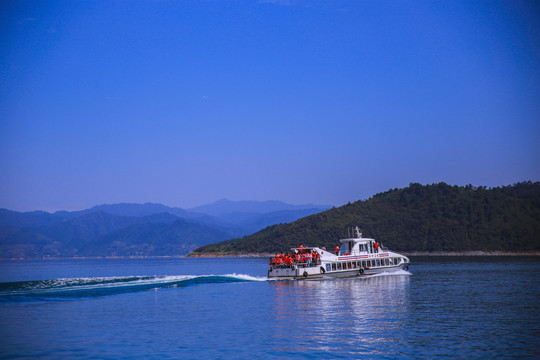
x: 324, y: 102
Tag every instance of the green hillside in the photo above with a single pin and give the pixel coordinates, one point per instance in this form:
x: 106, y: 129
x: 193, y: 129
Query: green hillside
x: 427, y: 218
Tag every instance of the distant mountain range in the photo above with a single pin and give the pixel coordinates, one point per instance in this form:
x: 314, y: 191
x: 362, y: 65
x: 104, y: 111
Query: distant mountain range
x: 137, y: 229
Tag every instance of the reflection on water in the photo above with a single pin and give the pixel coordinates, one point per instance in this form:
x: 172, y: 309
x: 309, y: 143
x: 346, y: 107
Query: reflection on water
x: 333, y: 314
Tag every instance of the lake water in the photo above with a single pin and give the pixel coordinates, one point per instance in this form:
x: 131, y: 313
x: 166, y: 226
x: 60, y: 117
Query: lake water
x: 184, y: 308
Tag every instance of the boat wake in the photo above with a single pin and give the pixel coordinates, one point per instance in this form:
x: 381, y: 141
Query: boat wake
x: 76, y: 288
x: 398, y: 272
x: 73, y: 288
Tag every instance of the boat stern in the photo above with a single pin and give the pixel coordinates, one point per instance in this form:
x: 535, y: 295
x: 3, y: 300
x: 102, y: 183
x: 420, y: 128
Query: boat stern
x: 285, y: 273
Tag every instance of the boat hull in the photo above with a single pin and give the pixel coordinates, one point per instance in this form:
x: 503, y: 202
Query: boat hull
x: 320, y: 272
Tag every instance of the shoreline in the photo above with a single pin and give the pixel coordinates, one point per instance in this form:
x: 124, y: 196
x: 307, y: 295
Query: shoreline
x: 266, y: 255
x: 406, y: 253
x: 409, y: 253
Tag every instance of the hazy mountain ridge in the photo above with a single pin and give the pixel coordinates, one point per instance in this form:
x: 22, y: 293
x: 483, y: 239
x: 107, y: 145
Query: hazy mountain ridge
x: 423, y: 218
x: 131, y: 229
x: 30, y: 219
x: 226, y: 206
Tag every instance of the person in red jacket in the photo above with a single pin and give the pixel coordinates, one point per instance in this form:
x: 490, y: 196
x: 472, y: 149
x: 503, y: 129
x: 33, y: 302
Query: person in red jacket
x: 337, y: 249
x: 376, y: 246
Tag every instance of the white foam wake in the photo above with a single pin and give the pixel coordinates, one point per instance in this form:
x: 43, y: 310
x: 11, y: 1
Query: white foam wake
x: 390, y: 273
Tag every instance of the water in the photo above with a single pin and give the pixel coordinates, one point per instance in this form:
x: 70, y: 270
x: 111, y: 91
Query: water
x: 458, y: 307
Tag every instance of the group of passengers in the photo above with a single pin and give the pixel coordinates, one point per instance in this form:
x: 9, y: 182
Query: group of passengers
x: 301, y: 257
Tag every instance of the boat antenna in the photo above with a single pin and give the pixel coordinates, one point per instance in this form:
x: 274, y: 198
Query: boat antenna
x: 358, y: 233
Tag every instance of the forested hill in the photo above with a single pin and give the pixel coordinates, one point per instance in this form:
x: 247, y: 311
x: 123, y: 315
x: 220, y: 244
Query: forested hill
x: 423, y: 218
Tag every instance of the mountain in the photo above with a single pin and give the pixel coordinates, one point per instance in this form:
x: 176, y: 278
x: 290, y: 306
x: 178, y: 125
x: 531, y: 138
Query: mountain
x: 131, y: 229
x: 227, y: 207
x: 242, y: 218
x: 30, y: 219
x: 424, y: 218
x: 250, y: 223
x: 127, y: 209
x: 239, y: 218
x: 149, y: 239
x: 82, y: 231
x: 102, y: 234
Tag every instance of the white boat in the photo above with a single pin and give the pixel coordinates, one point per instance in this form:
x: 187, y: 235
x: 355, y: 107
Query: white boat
x: 357, y: 256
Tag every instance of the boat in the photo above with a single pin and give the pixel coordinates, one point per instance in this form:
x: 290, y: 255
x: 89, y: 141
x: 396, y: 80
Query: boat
x: 357, y: 256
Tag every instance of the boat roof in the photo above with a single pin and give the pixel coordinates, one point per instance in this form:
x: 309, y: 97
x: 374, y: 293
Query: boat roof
x: 356, y: 240
x: 357, y: 236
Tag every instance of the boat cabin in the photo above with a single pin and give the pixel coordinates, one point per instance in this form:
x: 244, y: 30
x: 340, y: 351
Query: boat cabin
x: 358, y: 245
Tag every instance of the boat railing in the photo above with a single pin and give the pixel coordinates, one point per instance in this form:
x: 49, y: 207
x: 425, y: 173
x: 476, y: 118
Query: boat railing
x: 295, y: 264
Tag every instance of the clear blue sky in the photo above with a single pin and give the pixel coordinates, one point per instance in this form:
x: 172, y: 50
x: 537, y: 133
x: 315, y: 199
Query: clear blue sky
x: 325, y: 102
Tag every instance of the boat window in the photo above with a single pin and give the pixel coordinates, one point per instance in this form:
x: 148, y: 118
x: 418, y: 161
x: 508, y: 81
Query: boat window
x: 334, y: 266
x: 364, y: 263
x: 391, y: 260
x: 386, y: 262
x: 397, y: 261
x: 378, y: 263
x: 339, y: 266
x: 354, y: 264
x: 327, y: 267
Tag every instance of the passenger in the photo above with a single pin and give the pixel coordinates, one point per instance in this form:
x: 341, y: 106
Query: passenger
x: 376, y: 246
x: 337, y: 249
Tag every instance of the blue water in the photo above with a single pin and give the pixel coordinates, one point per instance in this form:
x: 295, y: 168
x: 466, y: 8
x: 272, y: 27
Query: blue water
x: 177, y: 308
